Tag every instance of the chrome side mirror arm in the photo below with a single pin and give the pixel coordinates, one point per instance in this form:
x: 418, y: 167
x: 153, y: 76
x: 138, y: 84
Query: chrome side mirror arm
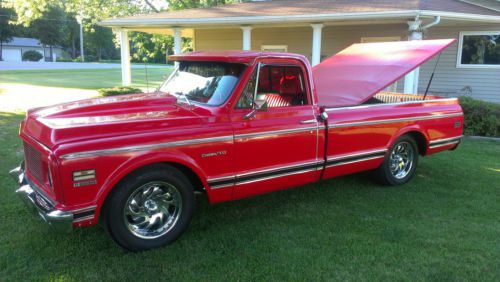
x: 258, y: 105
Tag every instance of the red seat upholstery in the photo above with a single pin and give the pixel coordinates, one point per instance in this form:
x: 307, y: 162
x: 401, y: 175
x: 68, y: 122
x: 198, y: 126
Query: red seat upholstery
x: 290, y: 85
x: 276, y: 100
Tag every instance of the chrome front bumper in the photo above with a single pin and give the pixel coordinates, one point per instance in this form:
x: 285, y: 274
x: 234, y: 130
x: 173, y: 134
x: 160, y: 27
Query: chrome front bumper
x: 28, y: 192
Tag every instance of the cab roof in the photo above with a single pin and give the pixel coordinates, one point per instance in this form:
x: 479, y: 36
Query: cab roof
x: 234, y: 56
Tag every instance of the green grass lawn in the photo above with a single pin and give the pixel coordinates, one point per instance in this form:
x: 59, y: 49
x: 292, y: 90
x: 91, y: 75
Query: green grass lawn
x: 84, y: 78
x: 442, y: 226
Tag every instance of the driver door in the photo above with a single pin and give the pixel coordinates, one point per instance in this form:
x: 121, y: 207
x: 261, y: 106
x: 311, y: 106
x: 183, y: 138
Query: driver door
x: 276, y: 147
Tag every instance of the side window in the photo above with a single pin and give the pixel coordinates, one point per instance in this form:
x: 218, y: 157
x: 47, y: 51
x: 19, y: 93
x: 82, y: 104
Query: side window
x: 246, y: 99
x: 279, y: 86
x: 282, y: 86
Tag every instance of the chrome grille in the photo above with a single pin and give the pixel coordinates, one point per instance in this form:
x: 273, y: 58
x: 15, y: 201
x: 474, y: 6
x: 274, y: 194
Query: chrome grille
x: 34, y: 163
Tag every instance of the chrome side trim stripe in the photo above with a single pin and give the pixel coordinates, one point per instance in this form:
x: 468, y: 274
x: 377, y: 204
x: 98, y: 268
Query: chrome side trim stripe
x: 346, y: 162
x: 276, y: 169
x: 262, y: 175
x: 275, y: 132
x: 361, y: 154
x: 393, y: 120
x: 276, y: 176
x: 83, y: 218
x: 147, y: 147
x: 355, y: 158
x: 83, y: 213
x: 83, y: 209
x: 444, y: 142
x: 391, y: 104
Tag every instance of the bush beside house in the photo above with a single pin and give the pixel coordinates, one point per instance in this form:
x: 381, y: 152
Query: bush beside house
x: 121, y: 90
x: 480, y: 118
x: 32, y: 56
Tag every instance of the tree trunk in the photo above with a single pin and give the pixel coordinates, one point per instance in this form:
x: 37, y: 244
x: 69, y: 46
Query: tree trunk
x: 1, y: 50
x: 73, y: 47
x: 43, y: 49
x: 51, y: 54
x: 99, y: 53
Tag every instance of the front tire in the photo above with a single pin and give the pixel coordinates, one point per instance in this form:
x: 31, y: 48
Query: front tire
x: 150, y: 208
x: 400, y: 163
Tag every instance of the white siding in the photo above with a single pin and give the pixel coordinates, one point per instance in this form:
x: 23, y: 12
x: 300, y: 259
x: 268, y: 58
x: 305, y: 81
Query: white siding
x: 485, y: 83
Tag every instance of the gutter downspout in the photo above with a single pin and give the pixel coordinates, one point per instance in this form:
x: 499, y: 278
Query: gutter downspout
x: 436, y: 21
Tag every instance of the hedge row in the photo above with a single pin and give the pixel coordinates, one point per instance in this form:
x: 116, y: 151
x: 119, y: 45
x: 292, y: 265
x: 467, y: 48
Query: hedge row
x: 118, y: 91
x: 480, y: 118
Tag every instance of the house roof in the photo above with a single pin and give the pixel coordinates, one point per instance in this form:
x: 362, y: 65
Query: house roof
x: 290, y: 10
x: 23, y: 41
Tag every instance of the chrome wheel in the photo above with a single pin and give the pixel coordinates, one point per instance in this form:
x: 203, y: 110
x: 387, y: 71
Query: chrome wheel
x: 153, y: 209
x: 401, y: 160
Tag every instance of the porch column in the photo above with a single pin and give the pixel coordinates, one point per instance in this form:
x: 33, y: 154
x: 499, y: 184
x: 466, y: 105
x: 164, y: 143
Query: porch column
x: 125, y: 57
x: 316, y: 43
x: 411, y: 79
x: 177, y: 40
x: 177, y: 43
x: 247, y: 37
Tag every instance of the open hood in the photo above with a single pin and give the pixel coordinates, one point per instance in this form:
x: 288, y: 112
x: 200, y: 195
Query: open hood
x: 360, y: 71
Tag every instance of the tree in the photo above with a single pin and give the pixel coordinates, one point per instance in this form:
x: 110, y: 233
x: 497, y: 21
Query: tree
x: 7, y: 30
x: 151, y: 47
x: 100, y: 38
x: 189, y: 4
x: 50, y: 28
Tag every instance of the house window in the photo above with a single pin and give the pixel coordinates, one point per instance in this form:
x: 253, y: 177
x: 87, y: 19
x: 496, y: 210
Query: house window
x: 478, y: 49
x: 274, y: 48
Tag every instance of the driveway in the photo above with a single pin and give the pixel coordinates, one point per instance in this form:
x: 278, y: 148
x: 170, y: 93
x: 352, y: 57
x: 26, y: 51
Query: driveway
x: 5, y: 66
x: 20, y: 97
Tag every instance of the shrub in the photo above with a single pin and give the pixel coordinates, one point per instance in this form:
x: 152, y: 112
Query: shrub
x: 88, y: 58
x: 32, y: 56
x: 62, y: 59
x: 118, y: 91
x: 480, y: 118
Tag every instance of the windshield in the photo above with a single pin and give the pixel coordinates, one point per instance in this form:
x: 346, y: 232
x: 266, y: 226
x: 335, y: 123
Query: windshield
x: 209, y: 83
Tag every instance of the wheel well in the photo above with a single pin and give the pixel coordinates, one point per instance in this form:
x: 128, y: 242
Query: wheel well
x: 191, y: 175
x: 421, y: 141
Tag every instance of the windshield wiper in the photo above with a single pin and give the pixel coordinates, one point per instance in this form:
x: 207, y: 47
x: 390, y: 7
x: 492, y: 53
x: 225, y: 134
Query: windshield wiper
x: 170, y: 77
x: 179, y: 95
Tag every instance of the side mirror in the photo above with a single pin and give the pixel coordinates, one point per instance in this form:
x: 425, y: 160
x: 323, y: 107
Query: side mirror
x: 258, y: 105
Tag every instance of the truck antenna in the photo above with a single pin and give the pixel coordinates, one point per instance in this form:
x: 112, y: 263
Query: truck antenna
x: 432, y: 77
x: 147, y: 80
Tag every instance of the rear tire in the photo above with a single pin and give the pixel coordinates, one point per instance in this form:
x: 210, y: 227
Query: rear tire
x: 150, y: 208
x: 400, y: 162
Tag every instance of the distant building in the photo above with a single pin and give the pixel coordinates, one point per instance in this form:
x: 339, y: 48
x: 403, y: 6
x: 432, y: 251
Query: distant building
x: 13, y: 51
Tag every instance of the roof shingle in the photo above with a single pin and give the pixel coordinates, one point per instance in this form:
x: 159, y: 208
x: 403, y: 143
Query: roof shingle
x: 300, y: 7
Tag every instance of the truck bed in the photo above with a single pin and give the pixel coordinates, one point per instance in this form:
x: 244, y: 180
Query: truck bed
x: 358, y: 137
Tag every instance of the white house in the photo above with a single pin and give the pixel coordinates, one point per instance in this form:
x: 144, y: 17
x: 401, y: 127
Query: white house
x: 320, y: 28
x: 13, y: 51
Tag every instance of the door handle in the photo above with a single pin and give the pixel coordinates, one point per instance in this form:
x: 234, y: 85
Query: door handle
x: 308, y: 121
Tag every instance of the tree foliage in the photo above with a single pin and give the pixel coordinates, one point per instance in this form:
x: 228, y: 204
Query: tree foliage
x: 53, y: 22
x: 189, y: 4
x: 7, y: 29
x: 48, y: 28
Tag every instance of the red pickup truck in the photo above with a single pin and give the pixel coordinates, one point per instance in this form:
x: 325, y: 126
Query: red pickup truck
x: 230, y: 124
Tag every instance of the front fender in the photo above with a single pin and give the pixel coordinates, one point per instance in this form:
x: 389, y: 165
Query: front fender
x: 142, y: 160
